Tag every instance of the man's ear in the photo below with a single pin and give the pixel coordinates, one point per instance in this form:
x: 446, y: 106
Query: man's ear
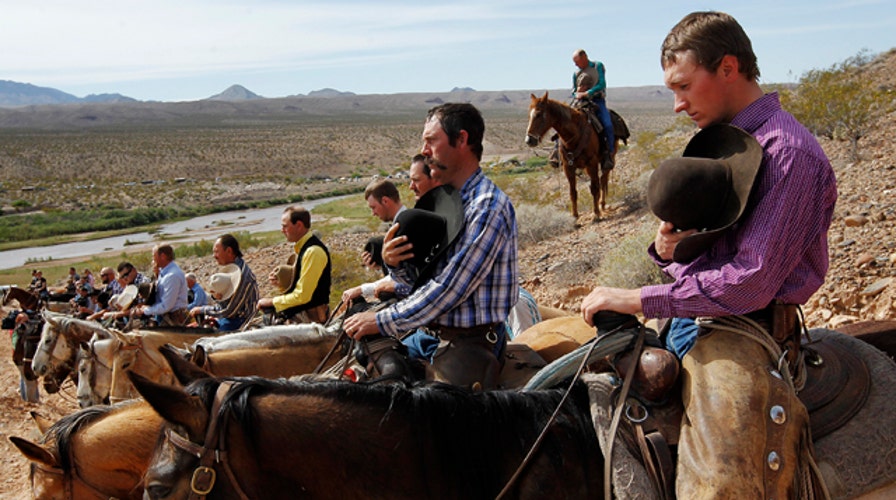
x: 462, y: 138
x: 729, y: 67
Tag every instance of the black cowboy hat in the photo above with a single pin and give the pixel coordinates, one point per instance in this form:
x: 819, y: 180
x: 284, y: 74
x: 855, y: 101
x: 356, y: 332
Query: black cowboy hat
x: 374, y: 247
x: 707, y: 188
x: 431, y: 226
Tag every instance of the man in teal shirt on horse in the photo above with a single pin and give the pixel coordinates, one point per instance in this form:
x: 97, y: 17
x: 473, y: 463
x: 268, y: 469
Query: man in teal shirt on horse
x: 589, y: 86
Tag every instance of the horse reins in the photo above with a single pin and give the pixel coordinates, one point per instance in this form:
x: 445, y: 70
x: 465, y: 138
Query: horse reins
x: 203, y: 480
x: 638, y: 344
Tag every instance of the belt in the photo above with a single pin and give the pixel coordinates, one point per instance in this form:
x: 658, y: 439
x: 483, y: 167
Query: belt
x: 489, y: 331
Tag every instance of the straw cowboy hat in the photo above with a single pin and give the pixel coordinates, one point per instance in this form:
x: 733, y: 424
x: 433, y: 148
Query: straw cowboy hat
x: 286, y: 273
x: 126, y: 297
x: 707, y: 188
x: 431, y: 226
x: 224, y: 283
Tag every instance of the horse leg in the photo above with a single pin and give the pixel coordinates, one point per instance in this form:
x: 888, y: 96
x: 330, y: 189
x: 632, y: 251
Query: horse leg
x: 594, y: 174
x: 604, y: 185
x: 573, y: 195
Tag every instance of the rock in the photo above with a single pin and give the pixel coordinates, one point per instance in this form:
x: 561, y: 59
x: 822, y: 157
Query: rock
x: 876, y: 287
x: 826, y: 314
x: 840, y: 320
x: 863, y: 259
x: 855, y: 220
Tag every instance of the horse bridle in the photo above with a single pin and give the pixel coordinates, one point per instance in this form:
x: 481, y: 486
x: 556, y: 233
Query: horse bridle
x: 203, y: 480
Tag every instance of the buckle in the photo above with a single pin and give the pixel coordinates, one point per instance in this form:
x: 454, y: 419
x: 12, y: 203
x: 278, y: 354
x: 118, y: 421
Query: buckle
x: 201, y: 475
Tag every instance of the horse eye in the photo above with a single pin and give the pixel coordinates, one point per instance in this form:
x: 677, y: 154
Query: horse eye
x: 158, y: 491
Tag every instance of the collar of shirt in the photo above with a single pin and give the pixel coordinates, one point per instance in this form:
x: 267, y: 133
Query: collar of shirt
x: 299, y: 244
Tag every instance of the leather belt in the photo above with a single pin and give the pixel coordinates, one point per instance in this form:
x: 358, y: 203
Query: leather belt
x: 488, y: 331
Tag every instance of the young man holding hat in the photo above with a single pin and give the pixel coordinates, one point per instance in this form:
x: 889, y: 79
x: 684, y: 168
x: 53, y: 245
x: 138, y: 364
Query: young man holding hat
x: 233, y: 310
x: 474, y: 282
x: 744, y: 433
x: 306, y: 299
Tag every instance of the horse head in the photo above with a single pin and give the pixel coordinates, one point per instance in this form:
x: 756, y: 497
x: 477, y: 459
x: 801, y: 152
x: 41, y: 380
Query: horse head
x: 95, y: 371
x: 539, y: 119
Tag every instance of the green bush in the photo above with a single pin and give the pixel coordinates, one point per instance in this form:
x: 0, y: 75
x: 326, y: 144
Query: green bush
x: 628, y: 265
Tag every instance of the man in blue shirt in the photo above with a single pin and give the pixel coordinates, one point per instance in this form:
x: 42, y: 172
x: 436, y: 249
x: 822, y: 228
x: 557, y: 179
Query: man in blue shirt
x: 170, y: 308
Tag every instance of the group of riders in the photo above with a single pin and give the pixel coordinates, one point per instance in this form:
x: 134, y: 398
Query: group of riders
x: 742, y: 248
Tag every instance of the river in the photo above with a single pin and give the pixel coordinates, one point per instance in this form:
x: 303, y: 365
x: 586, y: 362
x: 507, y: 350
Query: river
x: 204, y: 227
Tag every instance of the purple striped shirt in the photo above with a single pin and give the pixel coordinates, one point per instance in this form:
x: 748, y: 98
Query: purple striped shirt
x: 778, y: 249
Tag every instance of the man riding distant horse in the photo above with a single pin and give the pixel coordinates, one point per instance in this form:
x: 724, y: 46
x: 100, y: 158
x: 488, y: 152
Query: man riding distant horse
x: 589, y: 87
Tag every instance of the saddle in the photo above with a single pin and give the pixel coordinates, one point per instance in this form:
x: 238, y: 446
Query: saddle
x: 836, y: 388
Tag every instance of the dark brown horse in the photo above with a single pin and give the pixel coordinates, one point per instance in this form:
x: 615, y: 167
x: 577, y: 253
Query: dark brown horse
x: 342, y: 440
x: 580, y: 145
x: 26, y: 299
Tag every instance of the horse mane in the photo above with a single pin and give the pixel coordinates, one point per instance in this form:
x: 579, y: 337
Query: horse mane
x: 63, y: 430
x: 443, y: 414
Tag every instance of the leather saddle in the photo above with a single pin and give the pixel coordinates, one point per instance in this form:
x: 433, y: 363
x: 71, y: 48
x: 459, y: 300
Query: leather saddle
x: 837, y: 386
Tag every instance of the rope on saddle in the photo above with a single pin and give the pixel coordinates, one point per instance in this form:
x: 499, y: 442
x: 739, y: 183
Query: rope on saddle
x: 592, y: 351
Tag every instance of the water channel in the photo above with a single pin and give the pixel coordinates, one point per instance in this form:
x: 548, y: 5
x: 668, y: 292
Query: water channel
x: 205, y: 227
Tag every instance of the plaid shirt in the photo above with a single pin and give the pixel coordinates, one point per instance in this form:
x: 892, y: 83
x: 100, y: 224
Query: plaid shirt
x: 779, y: 248
x: 241, y: 305
x: 476, y: 282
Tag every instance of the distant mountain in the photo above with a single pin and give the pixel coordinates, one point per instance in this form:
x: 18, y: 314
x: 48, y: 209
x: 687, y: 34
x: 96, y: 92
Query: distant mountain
x: 14, y: 94
x: 108, y: 98
x: 25, y: 94
x: 463, y: 89
x: 328, y: 92
x: 235, y: 93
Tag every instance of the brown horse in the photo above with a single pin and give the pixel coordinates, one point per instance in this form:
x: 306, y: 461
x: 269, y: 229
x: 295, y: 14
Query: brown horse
x: 26, y: 299
x: 580, y: 145
x: 99, y: 452
x: 330, y: 439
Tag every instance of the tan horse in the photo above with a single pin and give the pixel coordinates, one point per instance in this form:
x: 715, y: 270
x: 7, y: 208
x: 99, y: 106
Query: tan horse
x: 580, y: 145
x: 59, y: 341
x: 99, y: 452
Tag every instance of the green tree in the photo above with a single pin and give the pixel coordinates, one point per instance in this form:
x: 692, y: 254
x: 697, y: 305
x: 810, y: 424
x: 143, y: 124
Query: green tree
x: 841, y: 102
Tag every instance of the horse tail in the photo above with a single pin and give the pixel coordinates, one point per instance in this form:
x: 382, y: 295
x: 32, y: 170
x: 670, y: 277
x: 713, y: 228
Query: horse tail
x: 620, y: 129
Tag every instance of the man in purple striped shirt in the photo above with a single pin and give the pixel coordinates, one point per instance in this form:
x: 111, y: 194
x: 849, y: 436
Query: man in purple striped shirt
x: 474, y: 285
x: 776, y: 253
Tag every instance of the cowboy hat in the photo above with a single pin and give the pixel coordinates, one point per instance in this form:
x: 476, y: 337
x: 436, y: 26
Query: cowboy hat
x: 126, y: 297
x: 286, y: 274
x: 148, y: 292
x: 707, y: 188
x: 431, y: 226
x: 374, y: 247
x: 224, y: 283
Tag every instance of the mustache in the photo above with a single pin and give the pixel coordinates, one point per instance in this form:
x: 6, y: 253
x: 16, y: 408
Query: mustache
x: 439, y: 166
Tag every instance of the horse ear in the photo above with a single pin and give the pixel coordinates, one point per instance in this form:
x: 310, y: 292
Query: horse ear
x: 183, y: 368
x: 35, y: 452
x: 51, y: 317
x: 545, y: 96
x: 172, y: 403
x: 43, y: 423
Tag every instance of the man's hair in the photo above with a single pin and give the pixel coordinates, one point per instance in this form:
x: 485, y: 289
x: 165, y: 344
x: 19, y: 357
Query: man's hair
x: 166, y: 250
x: 710, y: 36
x: 229, y: 241
x: 382, y: 189
x: 190, y: 276
x: 581, y: 53
x: 299, y: 213
x: 425, y: 161
x: 454, y: 117
x: 124, y: 265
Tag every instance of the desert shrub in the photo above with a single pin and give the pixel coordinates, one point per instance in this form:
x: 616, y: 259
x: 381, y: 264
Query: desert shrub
x: 537, y: 223
x: 627, y: 264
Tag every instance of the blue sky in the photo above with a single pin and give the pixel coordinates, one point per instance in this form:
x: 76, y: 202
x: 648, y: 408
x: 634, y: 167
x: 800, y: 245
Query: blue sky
x: 175, y: 50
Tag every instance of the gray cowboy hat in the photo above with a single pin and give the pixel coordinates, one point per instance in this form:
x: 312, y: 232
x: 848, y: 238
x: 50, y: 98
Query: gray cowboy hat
x: 431, y: 226
x: 707, y: 188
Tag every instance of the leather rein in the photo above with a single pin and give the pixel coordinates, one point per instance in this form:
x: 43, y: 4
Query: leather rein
x: 211, y: 452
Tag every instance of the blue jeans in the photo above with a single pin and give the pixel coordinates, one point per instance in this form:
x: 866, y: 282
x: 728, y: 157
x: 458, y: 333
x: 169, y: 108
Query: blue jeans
x: 421, y: 345
x: 603, y: 116
x: 681, y: 336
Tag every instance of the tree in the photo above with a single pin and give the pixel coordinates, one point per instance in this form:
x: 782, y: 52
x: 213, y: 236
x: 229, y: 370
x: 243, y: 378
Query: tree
x: 841, y: 102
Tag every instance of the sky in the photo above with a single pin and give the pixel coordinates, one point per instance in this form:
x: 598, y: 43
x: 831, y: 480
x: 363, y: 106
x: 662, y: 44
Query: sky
x: 183, y: 50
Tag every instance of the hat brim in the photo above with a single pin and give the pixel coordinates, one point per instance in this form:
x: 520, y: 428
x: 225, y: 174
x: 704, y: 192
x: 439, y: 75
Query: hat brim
x: 432, y: 226
x: 127, y: 296
x: 235, y: 274
x: 707, y: 188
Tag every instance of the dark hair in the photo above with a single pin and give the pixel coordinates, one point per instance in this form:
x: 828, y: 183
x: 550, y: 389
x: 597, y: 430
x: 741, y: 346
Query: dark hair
x: 455, y: 117
x: 299, y: 213
x: 425, y: 161
x: 710, y: 36
x: 166, y: 250
x: 125, y: 265
x: 382, y: 189
x: 229, y: 241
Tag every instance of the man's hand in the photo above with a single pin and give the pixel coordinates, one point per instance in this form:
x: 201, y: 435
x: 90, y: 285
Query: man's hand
x: 367, y: 259
x: 667, y: 237
x: 272, y: 279
x: 611, y: 299
x: 351, y: 294
x: 265, y: 302
x: 396, y: 249
x: 196, y: 311
x: 581, y: 95
x: 361, y: 325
